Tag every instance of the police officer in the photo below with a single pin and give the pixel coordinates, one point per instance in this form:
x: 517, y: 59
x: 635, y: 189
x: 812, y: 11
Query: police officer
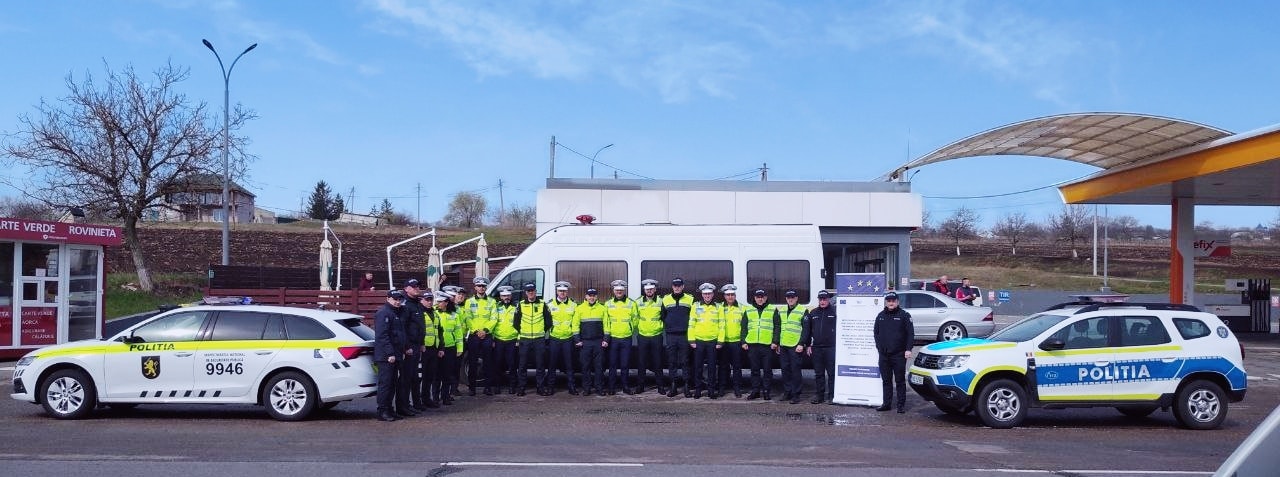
x: 505, y: 340
x: 478, y: 314
x: 590, y: 316
x: 729, y: 356
x: 791, y: 319
x: 675, y: 325
x: 564, y: 333
x: 429, y: 356
x: 456, y: 306
x: 760, y: 325
x: 649, y: 334
x: 533, y: 321
x: 706, y: 335
x: 389, y: 344
x: 453, y: 332
x: 894, y: 337
x: 619, y: 327
x: 411, y: 382
x: 819, y: 338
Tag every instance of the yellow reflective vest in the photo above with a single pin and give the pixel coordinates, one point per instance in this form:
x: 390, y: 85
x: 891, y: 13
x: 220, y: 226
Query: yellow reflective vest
x: 706, y: 322
x: 480, y: 314
x: 562, y: 325
x: 649, y: 319
x: 791, y: 321
x: 732, y: 321
x: 504, y: 327
x: 620, y: 318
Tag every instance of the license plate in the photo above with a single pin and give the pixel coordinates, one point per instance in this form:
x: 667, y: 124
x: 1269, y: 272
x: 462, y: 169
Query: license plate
x: 917, y: 379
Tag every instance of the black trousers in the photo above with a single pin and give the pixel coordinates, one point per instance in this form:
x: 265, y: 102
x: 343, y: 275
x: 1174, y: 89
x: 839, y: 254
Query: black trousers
x: 430, y: 362
x: 730, y: 366
x: 447, y: 369
x: 893, y: 375
x: 824, y: 371
x: 678, y: 365
x: 649, y: 351
x: 561, y: 359
x: 761, y: 358
x: 387, y: 384
x: 410, y: 368
x: 504, y: 360
x: 704, y: 365
x: 790, y: 370
x: 480, y: 350
x: 532, y: 349
x: 405, y: 368
x: 619, y: 362
x: 592, y: 366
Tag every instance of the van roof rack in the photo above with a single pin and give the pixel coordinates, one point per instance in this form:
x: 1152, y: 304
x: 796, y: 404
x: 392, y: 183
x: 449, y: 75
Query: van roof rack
x: 1148, y: 306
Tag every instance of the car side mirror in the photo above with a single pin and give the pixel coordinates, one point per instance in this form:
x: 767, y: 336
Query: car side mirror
x: 1053, y: 344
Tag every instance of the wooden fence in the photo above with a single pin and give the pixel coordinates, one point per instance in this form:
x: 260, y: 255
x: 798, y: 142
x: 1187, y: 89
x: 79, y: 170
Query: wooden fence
x: 364, y: 303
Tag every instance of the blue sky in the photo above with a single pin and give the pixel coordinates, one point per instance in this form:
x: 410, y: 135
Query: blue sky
x: 381, y: 95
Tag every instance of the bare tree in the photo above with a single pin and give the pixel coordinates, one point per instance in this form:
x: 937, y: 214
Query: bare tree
x: 466, y: 210
x: 1072, y: 225
x: 25, y: 209
x: 1124, y: 227
x: 1275, y: 226
x: 962, y: 224
x: 521, y: 216
x: 1012, y: 228
x: 926, y: 223
x: 116, y: 147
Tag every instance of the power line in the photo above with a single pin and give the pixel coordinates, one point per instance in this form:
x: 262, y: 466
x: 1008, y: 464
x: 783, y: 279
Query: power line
x: 605, y: 163
x: 1006, y: 194
x: 751, y: 173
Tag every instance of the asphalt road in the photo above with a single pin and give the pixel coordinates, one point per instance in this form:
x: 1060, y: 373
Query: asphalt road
x: 624, y: 435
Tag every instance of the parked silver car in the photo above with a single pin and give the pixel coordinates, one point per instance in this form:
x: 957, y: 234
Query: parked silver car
x: 942, y: 318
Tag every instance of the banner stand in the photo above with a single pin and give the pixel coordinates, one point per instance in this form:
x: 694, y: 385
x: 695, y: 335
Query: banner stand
x: 859, y: 298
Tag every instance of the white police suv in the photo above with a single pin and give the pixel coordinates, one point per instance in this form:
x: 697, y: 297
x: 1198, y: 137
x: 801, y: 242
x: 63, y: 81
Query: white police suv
x: 1132, y: 356
x: 290, y: 360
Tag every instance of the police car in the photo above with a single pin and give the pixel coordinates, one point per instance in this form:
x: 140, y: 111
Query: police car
x: 290, y: 360
x: 1132, y: 356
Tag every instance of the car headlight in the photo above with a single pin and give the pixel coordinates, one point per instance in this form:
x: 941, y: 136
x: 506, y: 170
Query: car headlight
x: 952, y: 361
x: 26, y: 360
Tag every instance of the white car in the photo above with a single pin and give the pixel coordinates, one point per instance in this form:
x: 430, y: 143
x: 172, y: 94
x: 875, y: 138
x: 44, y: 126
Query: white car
x: 942, y: 318
x: 1135, y: 357
x: 291, y: 360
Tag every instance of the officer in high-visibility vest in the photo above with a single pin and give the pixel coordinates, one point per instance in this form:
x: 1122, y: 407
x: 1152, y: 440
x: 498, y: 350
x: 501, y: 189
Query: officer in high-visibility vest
x: 533, y: 321
x: 819, y: 337
x: 706, y: 335
x: 730, y: 355
x: 619, y: 327
x: 760, y: 324
x: 791, y: 317
x: 649, y: 335
x: 505, y: 340
x: 478, y: 312
x: 452, y: 366
x: 675, y: 326
x: 564, y: 333
x: 450, y: 334
x: 590, y: 316
x: 430, y: 359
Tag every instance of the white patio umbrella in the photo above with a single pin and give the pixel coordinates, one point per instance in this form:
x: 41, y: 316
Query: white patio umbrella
x: 326, y: 263
x: 482, y: 258
x: 433, y: 269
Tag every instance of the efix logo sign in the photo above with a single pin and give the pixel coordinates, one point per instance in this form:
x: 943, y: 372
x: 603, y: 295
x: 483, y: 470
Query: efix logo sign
x: 1211, y: 247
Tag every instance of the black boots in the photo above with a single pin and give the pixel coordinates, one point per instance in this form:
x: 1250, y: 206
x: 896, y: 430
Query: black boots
x: 753, y: 396
x: 884, y: 407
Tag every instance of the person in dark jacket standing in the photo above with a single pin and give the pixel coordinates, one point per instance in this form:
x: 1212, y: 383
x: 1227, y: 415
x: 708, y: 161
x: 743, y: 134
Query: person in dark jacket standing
x: 819, y: 336
x: 894, y: 337
x: 388, y: 344
x: 675, y: 325
x: 409, y: 395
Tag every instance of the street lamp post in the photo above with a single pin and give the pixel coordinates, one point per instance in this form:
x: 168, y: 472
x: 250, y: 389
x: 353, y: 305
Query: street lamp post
x: 226, y: 146
x: 593, y: 160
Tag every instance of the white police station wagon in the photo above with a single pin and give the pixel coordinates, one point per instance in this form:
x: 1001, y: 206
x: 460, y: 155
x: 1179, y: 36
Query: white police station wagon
x: 291, y: 360
x: 1132, y: 356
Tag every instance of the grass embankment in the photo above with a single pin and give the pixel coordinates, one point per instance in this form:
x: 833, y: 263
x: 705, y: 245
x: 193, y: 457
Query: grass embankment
x: 1133, y: 277
x: 171, y: 288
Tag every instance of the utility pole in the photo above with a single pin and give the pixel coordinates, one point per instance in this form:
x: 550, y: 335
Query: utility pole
x: 502, y: 205
x: 419, y: 221
x: 351, y: 200
x: 1095, y: 240
x: 764, y: 172
x: 615, y: 174
x: 553, y: 158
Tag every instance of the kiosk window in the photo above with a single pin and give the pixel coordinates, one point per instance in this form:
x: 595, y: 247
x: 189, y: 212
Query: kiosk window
x: 775, y: 277
x: 583, y: 275
x: 39, y: 260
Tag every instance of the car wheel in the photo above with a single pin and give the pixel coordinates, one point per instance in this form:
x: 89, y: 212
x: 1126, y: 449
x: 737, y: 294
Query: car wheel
x: 1002, y: 404
x: 951, y: 411
x: 952, y: 331
x: 1200, y: 405
x: 68, y: 394
x: 1137, y: 411
x: 289, y: 396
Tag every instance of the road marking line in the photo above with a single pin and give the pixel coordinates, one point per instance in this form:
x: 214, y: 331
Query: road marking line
x: 1011, y: 471
x: 1138, y: 472
x: 8, y: 368
x: 539, y: 464
x: 1261, y: 348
